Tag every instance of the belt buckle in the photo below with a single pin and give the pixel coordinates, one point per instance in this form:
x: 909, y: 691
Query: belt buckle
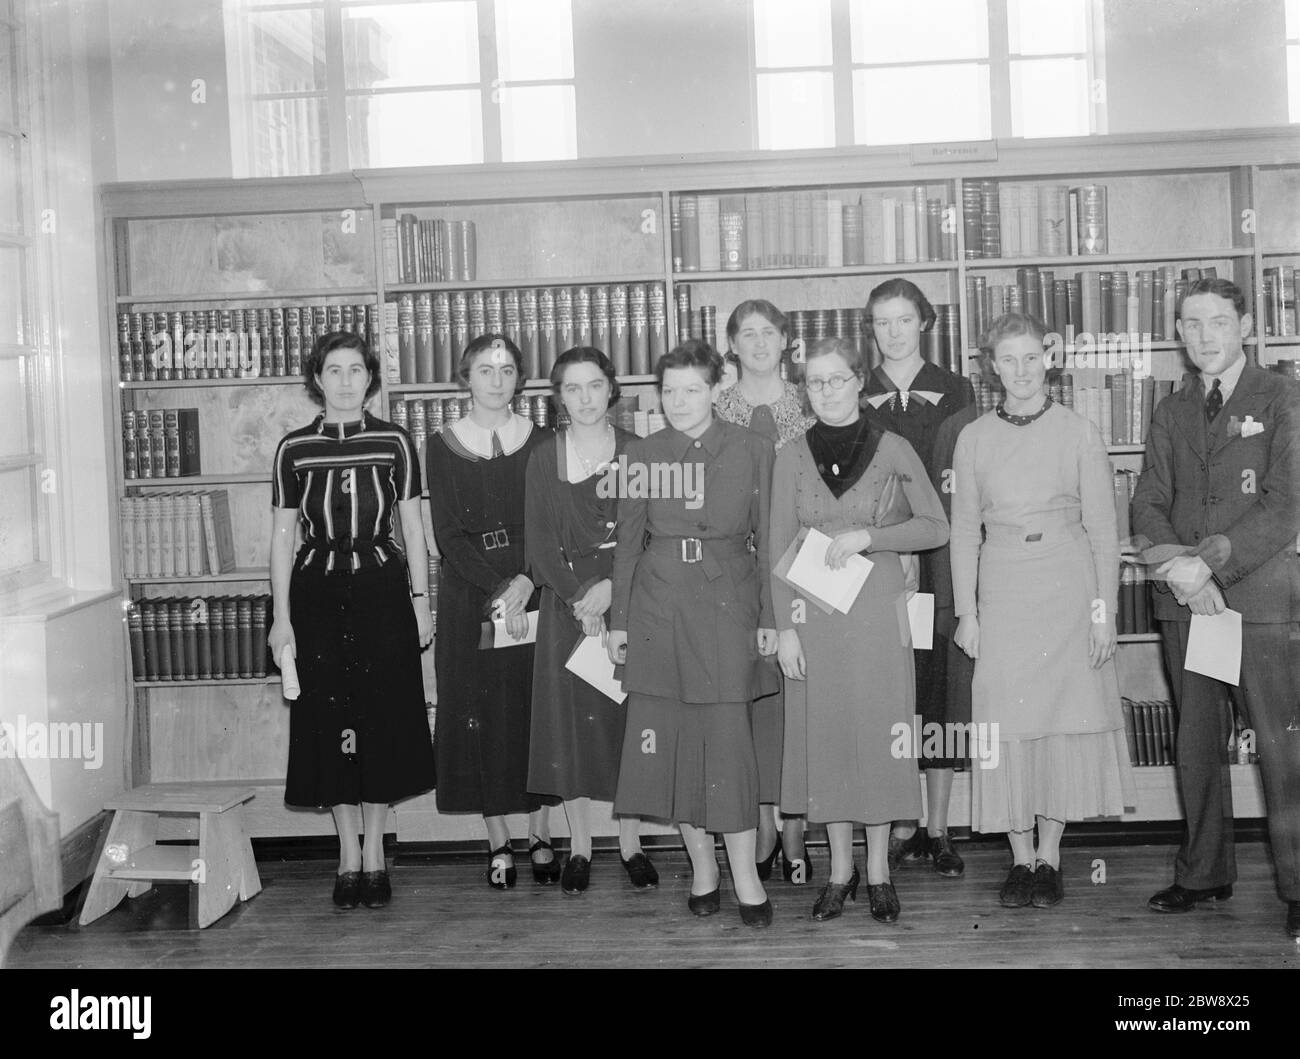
x: 692, y: 550
x: 489, y: 540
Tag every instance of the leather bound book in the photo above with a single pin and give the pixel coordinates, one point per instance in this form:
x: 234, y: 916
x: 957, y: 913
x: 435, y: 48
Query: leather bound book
x: 149, y: 635
x: 454, y: 263
x: 190, y: 637
x: 231, y: 626
x: 163, y: 639
x: 682, y: 298
x: 218, y: 535
x: 546, y: 338
x: 600, y: 320
x: 406, y: 337
x: 259, y: 606
x: 1141, y: 603
x: 460, y: 335
x: 125, y: 363
x: 1130, y: 731
x: 135, y: 633
x: 582, y: 316
x: 753, y: 207
x: 709, y: 210
x: 851, y: 250
x: 619, y: 332
x: 293, y: 341
x: 530, y: 346
x: 176, y: 634
x: 1141, y: 713
x: 166, y: 535
x: 468, y: 252
x: 638, y: 320
x: 675, y: 229
x: 217, y: 636
x: 732, y: 233
x: 771, y: 210
x: 566, y: 334
x: 244, y: 629
x: 658, y: 323
x: 477, y: 313
x: 423, y: 337
x: 203, y: 639
x: 513, y: 328
x: 689, y: 208
x: 443, y: 353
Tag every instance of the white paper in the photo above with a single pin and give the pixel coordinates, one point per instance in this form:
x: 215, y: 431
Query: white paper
x: 1214, y: 646
x: 290, y: 687
x: 920, y: 613
x: 590, y: 661
x: 501, y: 638
x: 810, y: 573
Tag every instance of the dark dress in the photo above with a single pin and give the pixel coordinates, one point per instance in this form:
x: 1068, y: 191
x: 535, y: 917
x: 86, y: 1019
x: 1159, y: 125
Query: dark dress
x: 932, y: 397
x: 484, y: 696
x: 692, y: 652
x: 577, y: 732
x: 359, y: 731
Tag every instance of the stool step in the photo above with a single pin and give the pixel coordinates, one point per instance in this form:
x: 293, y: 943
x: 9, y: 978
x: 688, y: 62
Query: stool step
x: 181, y: 798
x: 165, y: 863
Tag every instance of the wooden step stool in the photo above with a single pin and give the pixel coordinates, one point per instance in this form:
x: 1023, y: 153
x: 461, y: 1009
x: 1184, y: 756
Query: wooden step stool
x: 221, y: 865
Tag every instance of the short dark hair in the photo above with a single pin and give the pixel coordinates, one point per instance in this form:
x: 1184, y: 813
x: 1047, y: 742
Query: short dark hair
x: 765, y: 309
x: 693, y: 353
x: 900, y: 288
x: 1224, y: 288
x: 1009, y: 325
x: 585, y: 355
x: 486, y: 342
x: 314, y: 363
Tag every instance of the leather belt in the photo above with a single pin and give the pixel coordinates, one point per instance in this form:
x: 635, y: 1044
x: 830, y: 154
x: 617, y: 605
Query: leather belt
x: 1042, y: 535
x: 705, y: 551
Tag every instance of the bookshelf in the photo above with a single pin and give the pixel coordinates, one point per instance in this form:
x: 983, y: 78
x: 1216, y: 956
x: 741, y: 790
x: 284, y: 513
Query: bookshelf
x: 1225, y: 200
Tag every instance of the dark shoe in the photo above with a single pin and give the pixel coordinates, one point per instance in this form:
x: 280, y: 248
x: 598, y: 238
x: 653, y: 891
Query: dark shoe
x: 884, y: 902
x: 1293, y: 918
x: 946, y: 861
x: 1048, y: 887
x: 915, y: 849
x: 640, y: 872
x: 501, y: 876
x: 376, y: 890
x: 756, y: 915
x: 895, y: 855
x: 545, y: 872
x: 576, y: 874
x: 705, y: 904
x: 830, y: 904
x: 1180, y: 899
x: 764, y: 866
x: 347, y: 889
x: 797, y: 872
x: 1017, y: 891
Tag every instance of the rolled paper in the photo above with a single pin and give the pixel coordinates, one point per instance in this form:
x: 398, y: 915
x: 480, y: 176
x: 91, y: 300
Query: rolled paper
x: 289, y: 673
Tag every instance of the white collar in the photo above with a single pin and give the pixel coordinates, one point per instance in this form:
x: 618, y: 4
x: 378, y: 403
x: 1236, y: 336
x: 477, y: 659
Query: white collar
x: 478, y: 440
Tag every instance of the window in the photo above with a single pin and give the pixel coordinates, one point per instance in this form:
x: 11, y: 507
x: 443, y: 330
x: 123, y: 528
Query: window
x: 1293, y: 59
x: 24, y: 512
x: 878, y: 72
x: 331, y: 85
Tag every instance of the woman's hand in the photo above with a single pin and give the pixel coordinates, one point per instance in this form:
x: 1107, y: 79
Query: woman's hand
x: 423, y: 620
x: 514, y: 599
x: 967, y: 636
x: 616, y: 646
x: 593, y: 626
x: 1101, y: 643
x: 766, y: 642
x: 789, y: 653
x: 281, y: 634
x: 845, y: 545
x: 517, y: 626
x: 911, y: 573
x: 596, y: 601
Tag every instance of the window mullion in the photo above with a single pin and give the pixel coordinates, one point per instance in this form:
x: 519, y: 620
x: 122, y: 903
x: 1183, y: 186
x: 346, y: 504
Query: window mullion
x: 490, y: 81
x: 340, y: 152
x: 1000, y: 102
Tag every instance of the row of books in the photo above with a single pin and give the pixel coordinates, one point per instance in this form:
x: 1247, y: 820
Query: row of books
x: 628, y: 321
x: 421, y: 417
x: 989, y: 392
x: 1279, y: 301
x: 198, y: 344
x: 177, y: 534
x: 160, y: 443
x: 1135, y: 614
x: 1150, y: 728
x: 1097, y: 304
x: 1004, y: 219
x: 810, y: 229
x: 1122, y: 407
x: 207, y: 638
x: 429, y: 250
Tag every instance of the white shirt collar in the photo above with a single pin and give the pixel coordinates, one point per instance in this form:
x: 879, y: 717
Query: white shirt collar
x: 478, y: 440
x: 1227, y: 379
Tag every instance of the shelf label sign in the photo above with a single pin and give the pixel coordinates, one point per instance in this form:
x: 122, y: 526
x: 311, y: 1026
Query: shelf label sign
x: 967, y: 151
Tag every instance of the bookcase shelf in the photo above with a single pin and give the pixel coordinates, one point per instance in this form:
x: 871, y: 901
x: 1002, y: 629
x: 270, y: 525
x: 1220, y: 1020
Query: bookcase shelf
x: 251, y: 573
x: 493, y: 284
x: 232, y: 682
x: 263, y: 478
x: 900, y: 268
x: 191, y: 384
x: 1129, y: 257
x: 240, y: 297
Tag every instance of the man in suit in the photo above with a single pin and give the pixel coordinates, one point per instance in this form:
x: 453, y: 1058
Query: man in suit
x: 1222, y: 476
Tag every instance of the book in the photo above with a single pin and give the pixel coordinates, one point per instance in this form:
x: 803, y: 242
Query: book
x: 218, y: 536
x: 732, y: 233
x: 753, y: 207
x: 638, y: 311
x: 619, y: 348
x: 424, y: 358
x: 406, y: 338
x: 658, y: 324
x: 675, y: 230
x: 689, y: 207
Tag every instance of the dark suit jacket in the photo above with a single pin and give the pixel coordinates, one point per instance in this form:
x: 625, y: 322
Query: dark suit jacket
x: 1235, y: 498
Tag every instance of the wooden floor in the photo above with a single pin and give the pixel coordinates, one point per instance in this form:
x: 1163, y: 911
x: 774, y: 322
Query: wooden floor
x: 444, y: 915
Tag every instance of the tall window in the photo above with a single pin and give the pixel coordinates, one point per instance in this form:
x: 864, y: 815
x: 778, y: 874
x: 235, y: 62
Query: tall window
x: 794, y: 74
x: 1293, y: 58
x: 1056, y: 78
x: 331, y: 85
x: 24, y: 528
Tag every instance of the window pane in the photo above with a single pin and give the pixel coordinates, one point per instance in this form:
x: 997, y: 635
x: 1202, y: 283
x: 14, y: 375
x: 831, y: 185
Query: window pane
x: 885, y: 31
x: 534, y: 41
x: 8, y: 103
x: 1037, y: 28
x: 286, y: 51
x: 416, y: 128
x: 17, y: 520
x: 1293, y: 80
x: 792, y: 33
x: 12, y: 293
x: 290, y: 137
x: 1049, y: 97
x: 942, y: 103
x: 795, y: 110
x: 1293, y: 20
x: 11, y: 217
x: 538, y: 123
x: 400, y: 45
x: 14, y: 440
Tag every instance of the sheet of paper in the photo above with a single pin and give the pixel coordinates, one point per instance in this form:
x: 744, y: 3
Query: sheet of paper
x: 590, y: 661
x: 1214, y: 646
x: 810, y: 573
x: 920, y: 613
x: 501, y: 638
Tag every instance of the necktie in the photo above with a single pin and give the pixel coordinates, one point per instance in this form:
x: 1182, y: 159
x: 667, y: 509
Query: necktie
x: 1214, y: 401
x: 497, y: 450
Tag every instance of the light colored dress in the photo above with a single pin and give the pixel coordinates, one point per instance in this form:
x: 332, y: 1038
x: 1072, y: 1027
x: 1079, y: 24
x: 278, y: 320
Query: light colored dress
x: 1044, y: 496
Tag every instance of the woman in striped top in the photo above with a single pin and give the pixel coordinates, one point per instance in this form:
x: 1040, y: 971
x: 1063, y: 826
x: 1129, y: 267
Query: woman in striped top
x: 349, y: 612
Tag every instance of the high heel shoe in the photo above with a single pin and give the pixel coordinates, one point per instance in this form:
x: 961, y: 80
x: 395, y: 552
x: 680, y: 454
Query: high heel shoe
x: 376, y: 890
x: 884, y: 902
x: 764, y: 866
x: 799, y: 871
x: 545, y: 872
x: 500, y: 875
x: 756, y: 915
x: 347, y: 889
x: 830, y: 904
x: 640, y: 872
x: 706, y: 904
x: 576, y: 875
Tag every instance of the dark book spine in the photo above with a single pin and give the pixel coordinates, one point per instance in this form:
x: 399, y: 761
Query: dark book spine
x: 217, y: 636
x: 258, y: 652
x: 658, y: 324
x: 582, y: 315
x: 620, y: 350
x: 546, y: 338
x: 135, y: 633
x: 176, y: 634
x: 424, y: 338
x: 682, y: 300
x: 531, y: 346
x: 675, y: 230
x: 230, y: 620
x: 130, y: 451
x: 203, y: 639
x: 244, y: 629
x: 600, y: 319
x: 164, y: 640
x: 158, y: 443
x: 149, y: 633
x: 513, y: 329
x: 444, y: 356
x: 688, y: 207
x: 406, y: 337
x: 638, y: 318
x: 190, y: 638
x: 460, y: 335
x: 565, y: 333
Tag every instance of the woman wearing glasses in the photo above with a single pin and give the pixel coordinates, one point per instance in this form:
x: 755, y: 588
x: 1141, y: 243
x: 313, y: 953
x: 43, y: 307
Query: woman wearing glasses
x: 761, y: 400
x: 910, y: 396
x: 849, y: 680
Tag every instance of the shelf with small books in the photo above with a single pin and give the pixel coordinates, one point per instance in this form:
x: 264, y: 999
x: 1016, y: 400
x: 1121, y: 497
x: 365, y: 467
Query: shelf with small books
x: 570, y: 281
x: 181, y: 384
x: 225, y: 682
x: 258, y: 478
x: 766, y: 275
x: 302, y: 294
x: 254, y: 573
